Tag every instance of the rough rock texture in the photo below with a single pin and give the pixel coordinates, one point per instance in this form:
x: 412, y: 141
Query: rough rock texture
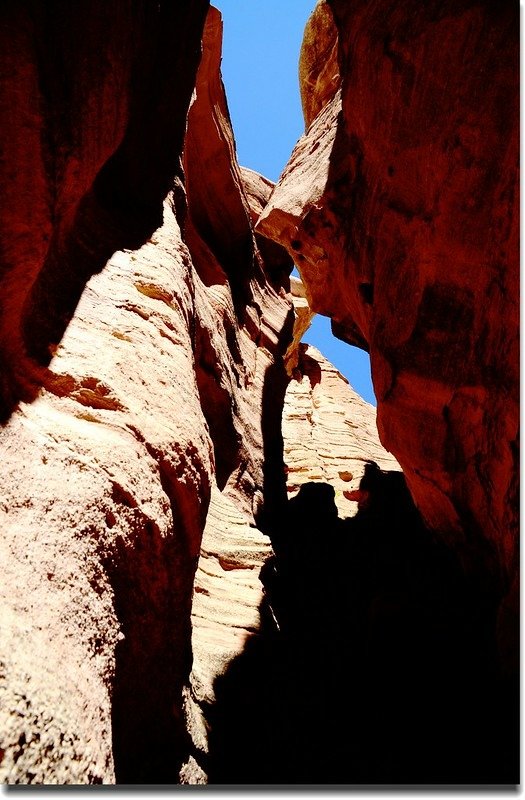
x: 329, y: 432
x: 243, y: 354
x: 94, y: 102
x: 329, y: 436
x: 319, y: 74
x: 225, y: 615
x: 106, y: 484
x: 361, y: 654
x: 258, y: 190
x: 400, y: 209
x: 91, y: 138
x: 149, y: 401
x: 303, y: 319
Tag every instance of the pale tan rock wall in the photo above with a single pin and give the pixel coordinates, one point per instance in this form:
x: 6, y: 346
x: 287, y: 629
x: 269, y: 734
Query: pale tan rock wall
x: 153, y: 394
x: 329, y: 431
x: 105, y: 491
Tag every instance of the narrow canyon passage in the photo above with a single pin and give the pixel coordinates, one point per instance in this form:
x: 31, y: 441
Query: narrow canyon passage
x: 375, y: 662
x: 221, y: 565
x: 378, y: 658
x: 372, y: 658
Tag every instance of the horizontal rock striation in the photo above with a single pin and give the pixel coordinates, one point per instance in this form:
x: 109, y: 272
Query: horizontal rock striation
x: 104, y: 496
x: 329, y: 432
x: 329, y: 437
x: 352, y: 650
x: 95, y: 478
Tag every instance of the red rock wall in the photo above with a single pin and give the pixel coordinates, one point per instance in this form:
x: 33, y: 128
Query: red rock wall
x: 400, y: 207
x: 94, y: 101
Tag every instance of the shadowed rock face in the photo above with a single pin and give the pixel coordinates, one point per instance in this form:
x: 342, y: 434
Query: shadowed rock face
x: 399, y: 206
x: 94, y: 102
x: 370, y: 657
x: 329, y: 434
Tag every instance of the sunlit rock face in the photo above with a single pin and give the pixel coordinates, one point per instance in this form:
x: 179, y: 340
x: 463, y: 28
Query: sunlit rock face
x: 329, y: 432
x: 319, y: 73
x: 131, y: 396
x: 102, y: 501
x: 399, y: 206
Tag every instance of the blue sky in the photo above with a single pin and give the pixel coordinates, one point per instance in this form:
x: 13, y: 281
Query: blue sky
x: 260, y: 72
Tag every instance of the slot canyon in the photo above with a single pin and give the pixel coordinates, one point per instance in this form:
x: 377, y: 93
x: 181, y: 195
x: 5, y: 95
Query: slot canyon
x: 220, y: 564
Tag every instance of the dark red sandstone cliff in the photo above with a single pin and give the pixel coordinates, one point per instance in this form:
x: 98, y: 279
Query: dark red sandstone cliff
x: 400, y: 207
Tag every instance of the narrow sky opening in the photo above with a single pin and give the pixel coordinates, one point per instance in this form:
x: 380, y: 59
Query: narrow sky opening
x: 260, y: 63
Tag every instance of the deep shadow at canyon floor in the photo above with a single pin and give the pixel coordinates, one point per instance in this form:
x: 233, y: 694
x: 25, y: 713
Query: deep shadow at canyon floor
x: 376, y: 660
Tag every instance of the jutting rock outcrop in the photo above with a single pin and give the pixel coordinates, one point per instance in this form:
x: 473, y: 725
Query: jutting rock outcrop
x: 329, y: 432
x: 399, y: 207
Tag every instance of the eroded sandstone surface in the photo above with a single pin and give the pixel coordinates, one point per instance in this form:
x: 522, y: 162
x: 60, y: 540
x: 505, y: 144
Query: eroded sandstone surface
x: 213, y: 569
x: 329, y: 432
x: 140, y: 409
x: 329, y: 437
x: 399, y: 207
